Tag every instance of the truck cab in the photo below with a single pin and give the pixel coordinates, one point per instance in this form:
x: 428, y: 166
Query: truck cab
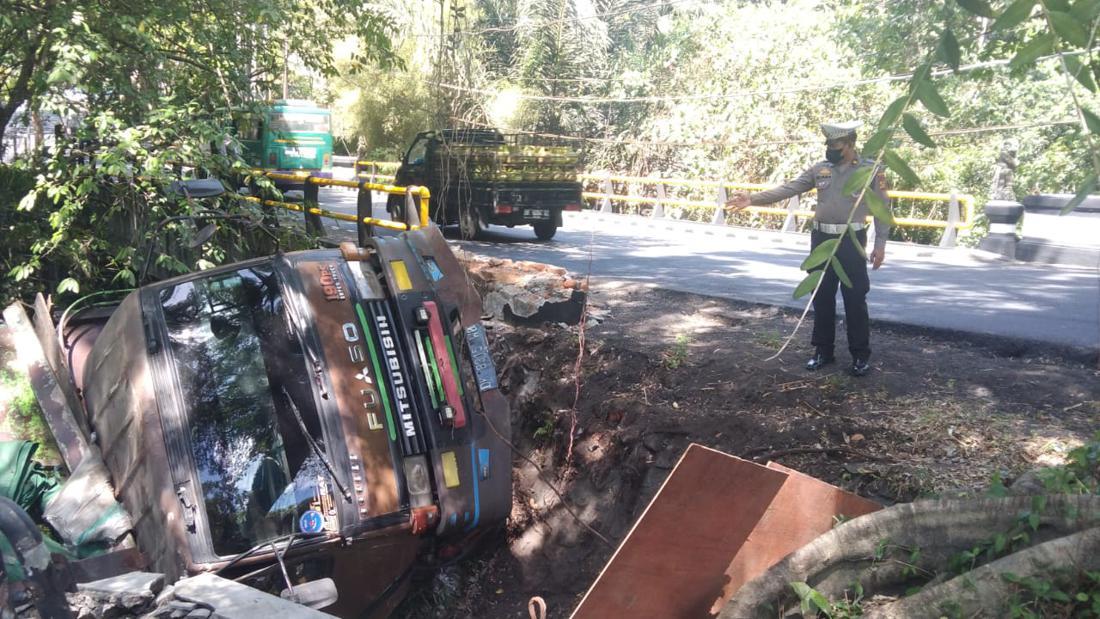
x: 479, y: 177
x: 329, y: 413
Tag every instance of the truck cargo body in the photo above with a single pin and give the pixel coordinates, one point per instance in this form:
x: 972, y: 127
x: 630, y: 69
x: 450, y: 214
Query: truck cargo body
x: 482, y: 177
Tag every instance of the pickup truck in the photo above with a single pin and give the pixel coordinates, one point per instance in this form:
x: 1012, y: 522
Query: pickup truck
x: 323, y: 414
x: 479, y: 177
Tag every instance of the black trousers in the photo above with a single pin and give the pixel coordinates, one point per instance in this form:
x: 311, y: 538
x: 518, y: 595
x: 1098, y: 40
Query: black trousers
x: 855, y: 297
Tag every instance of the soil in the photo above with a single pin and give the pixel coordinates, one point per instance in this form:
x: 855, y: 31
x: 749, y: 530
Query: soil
x: 940, y: 415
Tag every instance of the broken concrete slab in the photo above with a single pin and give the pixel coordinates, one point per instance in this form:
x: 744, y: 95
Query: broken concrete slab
x: 523, y: 292
x: 134, y: 582
x: 232, y: 600
x: 127, y: 595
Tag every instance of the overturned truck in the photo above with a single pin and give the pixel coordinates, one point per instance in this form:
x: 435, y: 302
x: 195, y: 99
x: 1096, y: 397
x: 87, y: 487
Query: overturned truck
x: 325, y: 414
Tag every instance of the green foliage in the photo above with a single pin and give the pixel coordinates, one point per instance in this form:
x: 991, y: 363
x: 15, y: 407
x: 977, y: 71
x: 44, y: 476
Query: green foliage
x: 677, y: 354
x: 103, y: 197
x: 545, y: 431
x: 808, y: 283
x: 813, y: 604
x: 1080, y: 474
x: 142, y: 86
x: 1034, y: 598
x: 24, y: 417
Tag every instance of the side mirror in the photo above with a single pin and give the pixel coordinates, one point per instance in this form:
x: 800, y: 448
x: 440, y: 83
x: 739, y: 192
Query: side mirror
x: 203, y: 235
x: 197, y: 188
x: 315, y: 594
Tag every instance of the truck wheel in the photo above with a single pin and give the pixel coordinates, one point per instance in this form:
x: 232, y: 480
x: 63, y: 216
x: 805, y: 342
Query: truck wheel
x: 545, y: 230
x: 396, y: 208
x: 470, y: 225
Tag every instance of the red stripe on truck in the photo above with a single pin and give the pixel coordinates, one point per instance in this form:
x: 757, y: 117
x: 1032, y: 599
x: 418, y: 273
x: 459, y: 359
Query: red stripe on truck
x: 447, y: 373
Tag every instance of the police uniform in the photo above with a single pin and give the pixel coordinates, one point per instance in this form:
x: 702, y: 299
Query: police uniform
x: 830, y: 217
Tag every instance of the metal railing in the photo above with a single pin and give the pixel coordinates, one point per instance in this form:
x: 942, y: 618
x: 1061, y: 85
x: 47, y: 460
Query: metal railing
x: 371, y: 170
x: 959, y: 207
x: 417, y: 201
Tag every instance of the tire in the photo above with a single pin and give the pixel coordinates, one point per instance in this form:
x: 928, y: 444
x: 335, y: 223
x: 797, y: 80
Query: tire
x: 470, y: 224
x: 395, y: 206
x: 546, y: 230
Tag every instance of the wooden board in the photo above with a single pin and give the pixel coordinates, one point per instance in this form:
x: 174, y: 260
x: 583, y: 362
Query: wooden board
x: 804, y: 508
x: 716, y: 523
x: 672, y: 563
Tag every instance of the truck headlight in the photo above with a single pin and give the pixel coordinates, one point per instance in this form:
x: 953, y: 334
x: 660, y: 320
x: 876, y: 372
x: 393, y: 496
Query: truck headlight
x: 418, y: 481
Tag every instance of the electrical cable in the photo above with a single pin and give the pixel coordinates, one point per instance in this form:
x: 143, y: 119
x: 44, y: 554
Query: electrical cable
x: 944, y: 133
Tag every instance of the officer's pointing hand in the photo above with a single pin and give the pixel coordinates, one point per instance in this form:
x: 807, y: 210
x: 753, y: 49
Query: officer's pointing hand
x: 738, y: 201
x: 876, y: 257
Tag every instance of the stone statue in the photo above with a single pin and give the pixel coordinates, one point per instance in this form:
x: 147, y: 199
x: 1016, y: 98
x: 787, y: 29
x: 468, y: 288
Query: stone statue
x: 361, y: 148
x: 1003, y: 171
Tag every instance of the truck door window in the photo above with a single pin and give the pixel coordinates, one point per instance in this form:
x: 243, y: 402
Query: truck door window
x: 234, y: 356
x: 417, y: 152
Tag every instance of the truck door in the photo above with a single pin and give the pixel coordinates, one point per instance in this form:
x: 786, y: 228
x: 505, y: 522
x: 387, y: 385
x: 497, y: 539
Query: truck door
x: 414, y: 166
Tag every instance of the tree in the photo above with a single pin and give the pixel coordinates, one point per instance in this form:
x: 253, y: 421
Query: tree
x: 145, y: 85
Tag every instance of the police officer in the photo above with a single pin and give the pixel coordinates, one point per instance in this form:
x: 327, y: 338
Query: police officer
x: 830, y: 217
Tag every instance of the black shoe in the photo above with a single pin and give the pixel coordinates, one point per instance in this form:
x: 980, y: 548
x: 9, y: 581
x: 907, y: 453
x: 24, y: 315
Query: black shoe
x: 819, y: 360
x: 860, y: 367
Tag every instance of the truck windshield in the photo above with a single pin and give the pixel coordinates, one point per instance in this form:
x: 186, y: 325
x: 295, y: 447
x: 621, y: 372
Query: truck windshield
x: 300, y: 122
x: 237, y: 363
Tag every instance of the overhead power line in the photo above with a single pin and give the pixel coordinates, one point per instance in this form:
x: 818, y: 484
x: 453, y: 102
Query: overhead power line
x: 655, y: 143
x: 743, y: 93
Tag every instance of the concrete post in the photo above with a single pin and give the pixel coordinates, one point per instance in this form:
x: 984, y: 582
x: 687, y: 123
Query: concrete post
x: 790, y: 224
x: 363, y: 209
x: 659, y: 207
x: 719, y: 218
x: 606, y: 189
x: 311, y: 200
x: 1003, y: 216
x: 412, y: 206
x: 951, y: 232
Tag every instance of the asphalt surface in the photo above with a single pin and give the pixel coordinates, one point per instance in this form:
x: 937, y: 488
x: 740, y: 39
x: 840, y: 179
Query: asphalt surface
x: 957, y: 289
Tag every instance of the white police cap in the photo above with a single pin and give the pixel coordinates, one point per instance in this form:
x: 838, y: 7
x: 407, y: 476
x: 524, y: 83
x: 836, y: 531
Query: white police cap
x: 835, y: 131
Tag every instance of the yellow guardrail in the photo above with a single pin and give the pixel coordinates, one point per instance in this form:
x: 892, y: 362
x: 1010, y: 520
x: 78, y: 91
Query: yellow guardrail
x: 964, y: 221
x: 380, y: 164
x: 422, y: 193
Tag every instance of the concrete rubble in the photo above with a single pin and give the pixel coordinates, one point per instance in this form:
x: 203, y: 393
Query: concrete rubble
x: 144, y: 595
x: 523, y: 292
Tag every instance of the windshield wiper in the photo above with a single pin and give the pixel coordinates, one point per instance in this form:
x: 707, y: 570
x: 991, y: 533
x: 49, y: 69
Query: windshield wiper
x: 314, y: 446
x: 294, y: 320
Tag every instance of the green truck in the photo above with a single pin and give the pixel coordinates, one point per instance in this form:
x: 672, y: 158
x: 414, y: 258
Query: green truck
x: 288, y: 135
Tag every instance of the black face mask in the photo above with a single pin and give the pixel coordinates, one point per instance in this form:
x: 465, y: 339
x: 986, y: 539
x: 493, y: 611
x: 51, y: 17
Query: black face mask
x: 834, y: 155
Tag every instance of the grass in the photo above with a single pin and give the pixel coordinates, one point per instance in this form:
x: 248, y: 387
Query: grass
x: 677, y: 354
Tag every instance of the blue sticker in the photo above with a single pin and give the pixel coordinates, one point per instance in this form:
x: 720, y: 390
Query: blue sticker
x: 434, y: 273
x: 311, y: 522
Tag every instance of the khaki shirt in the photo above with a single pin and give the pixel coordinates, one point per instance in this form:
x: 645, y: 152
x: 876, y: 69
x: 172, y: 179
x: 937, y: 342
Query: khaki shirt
x: 833, y: 205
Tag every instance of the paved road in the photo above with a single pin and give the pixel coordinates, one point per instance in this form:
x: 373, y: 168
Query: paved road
x: 948, y: 289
